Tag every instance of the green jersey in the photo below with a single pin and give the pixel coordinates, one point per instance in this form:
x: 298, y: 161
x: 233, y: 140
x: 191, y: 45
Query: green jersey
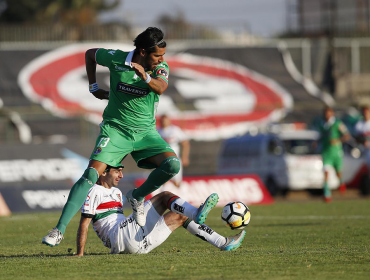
x: 332, y: 130
x: 132, y: 104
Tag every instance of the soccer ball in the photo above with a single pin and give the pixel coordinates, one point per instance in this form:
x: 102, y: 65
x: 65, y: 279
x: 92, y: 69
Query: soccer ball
x: 236, y: 215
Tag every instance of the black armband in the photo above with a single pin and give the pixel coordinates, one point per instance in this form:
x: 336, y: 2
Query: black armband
x: 87, y: 215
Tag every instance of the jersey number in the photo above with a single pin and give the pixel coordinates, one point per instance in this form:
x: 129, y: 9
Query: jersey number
x: 103, y: 142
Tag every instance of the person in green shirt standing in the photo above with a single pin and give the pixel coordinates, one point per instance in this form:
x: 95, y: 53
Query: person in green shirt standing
x: 137, y: 79
x: 332, y: 133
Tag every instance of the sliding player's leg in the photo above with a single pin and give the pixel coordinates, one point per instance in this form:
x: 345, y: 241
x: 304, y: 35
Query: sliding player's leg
x: 158, y: 227
x: 182, y: 214
x: 174, y: 221
x: 207, y: 234
x: 167, y: 200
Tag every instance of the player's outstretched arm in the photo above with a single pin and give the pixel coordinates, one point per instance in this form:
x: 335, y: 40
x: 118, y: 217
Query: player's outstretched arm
x: 82, y: 235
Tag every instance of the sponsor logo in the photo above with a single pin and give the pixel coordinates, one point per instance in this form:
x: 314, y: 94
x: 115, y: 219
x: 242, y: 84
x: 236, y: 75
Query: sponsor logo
x: 127, y: 221
x: 121, y: 68
x: 45, y: 199
x: 178, y: 208
x: 97, y: 151
x: 39, y: 169
x: 237, y: 205
x: 206, y: 229
x: 132, y: 90
x: 88, y: 181
x: 162, y: 72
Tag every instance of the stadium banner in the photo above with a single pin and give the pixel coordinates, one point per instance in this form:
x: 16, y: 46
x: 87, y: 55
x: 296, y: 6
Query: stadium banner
x: 248, y: 189
x: 27, y: 198
x: 37, y: 178
x: 210, y: 98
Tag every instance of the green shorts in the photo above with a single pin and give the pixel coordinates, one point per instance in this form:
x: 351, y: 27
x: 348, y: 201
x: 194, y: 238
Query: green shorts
x: 114, y: 144
x: 333, y: 157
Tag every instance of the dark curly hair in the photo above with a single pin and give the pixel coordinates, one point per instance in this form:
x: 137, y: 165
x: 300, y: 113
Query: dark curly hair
x: 150, y: 38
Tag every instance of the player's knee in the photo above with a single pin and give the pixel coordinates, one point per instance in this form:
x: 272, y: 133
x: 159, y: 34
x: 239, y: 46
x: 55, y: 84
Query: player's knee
x: 171, y: 166
x: 90, y: 175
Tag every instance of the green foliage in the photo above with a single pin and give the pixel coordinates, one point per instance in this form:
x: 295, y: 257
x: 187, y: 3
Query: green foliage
x: 309, y: 240
x: 54, y: 11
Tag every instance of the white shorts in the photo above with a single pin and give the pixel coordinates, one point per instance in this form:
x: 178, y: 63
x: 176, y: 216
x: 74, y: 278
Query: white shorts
x: 128, y: 237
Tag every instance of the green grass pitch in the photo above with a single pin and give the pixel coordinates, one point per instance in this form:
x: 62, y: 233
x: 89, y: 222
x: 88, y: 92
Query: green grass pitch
x: 305, y: 240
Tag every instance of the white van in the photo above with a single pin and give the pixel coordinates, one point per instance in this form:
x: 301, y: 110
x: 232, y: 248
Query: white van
x: 261, y: 154
x: 287, y: 161
x: 304, y: 161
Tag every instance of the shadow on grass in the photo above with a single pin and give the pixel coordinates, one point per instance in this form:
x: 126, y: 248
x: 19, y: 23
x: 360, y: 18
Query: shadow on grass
x: 48, y: 256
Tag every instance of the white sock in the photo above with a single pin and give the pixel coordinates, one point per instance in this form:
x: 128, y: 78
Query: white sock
x: 180, y: 206
x: 205, y: 233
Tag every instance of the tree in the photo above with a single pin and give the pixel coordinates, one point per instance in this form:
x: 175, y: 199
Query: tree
x: 53, y: 11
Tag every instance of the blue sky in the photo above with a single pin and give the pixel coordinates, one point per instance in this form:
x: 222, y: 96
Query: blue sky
x: 261, y: 17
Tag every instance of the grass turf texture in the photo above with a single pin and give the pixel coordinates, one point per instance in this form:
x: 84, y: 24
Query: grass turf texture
x: 309, y: 240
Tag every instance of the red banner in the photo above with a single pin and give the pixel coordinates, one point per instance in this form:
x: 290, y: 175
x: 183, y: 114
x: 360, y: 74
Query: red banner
x: 248, y: 189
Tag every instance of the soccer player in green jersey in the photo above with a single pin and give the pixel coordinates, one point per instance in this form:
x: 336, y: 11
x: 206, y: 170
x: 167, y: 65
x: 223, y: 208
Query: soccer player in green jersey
x: 332, y: 133
x: 137, y: 79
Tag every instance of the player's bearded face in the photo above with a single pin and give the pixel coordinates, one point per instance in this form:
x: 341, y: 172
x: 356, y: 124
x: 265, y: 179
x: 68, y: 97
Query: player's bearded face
x: 114, y: 176
x: 153, y: 59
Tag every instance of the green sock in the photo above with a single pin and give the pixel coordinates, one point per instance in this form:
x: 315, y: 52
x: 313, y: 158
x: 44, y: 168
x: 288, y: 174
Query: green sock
x: 327, y: 192
x: 167, y: 169
x: 76, y: 197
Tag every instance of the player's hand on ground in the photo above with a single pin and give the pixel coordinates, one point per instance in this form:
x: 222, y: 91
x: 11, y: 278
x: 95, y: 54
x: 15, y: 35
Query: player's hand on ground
x: 101, y: 94
x: 139, y: 70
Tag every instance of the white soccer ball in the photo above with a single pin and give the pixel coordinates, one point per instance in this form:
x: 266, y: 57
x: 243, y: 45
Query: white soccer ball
x: 236, y: 215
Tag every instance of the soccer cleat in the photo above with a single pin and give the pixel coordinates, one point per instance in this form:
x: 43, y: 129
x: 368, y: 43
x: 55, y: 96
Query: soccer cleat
x: 204, y: 209
x: 342, y: 188
x: 327, y: 199
x: 137, y: 209
x: 53, y: 238
x: 233, y: 242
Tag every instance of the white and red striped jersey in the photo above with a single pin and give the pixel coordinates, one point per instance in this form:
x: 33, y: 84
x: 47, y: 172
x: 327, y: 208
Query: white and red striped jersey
x: 104, y: 206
